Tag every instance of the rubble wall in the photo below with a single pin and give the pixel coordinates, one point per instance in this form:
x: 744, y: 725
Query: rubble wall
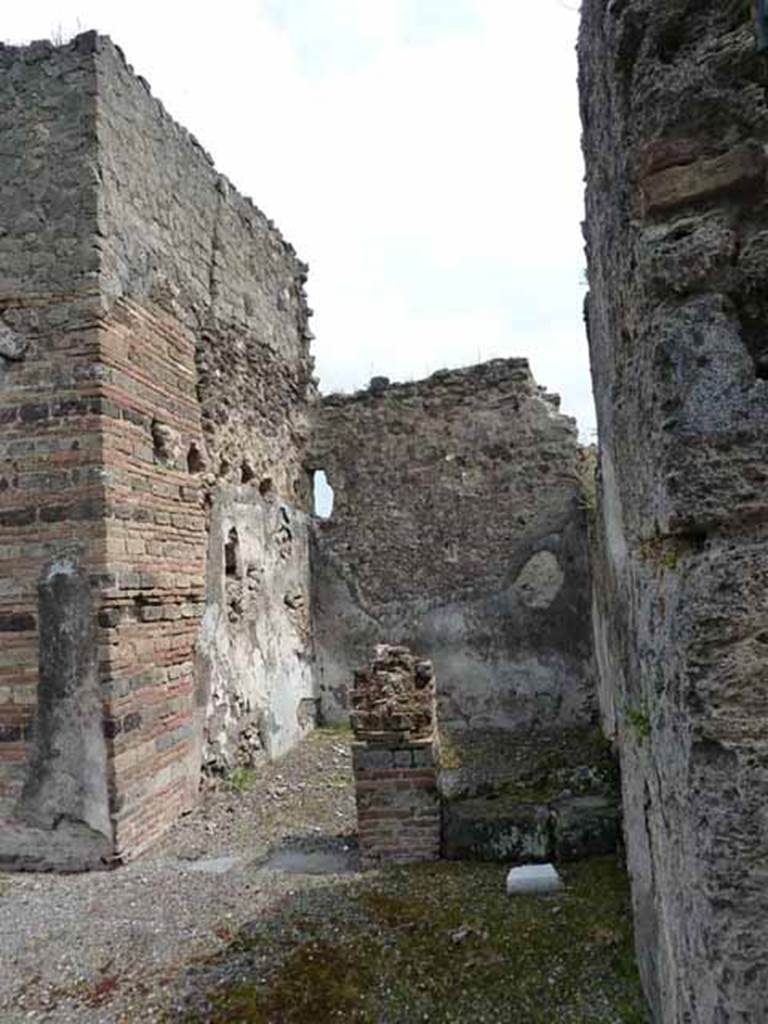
x: 675, y: 129
x: 456, y: 521
x: 458, y: 531
x: 166, y: 377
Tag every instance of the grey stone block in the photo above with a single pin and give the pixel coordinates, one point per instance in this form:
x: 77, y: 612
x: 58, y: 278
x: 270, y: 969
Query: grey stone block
x: 585, y: 826
x: 371, y: 758
x: 423, y: 757
x: 496, y: 830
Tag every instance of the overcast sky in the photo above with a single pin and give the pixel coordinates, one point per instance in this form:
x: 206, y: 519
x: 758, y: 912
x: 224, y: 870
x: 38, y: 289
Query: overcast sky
x: 422, y: 156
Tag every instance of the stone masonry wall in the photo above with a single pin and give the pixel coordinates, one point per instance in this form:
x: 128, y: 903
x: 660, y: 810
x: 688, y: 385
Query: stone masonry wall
x: 154, y: 379
x: 675, y: 133
x: 456, y: 522
x: 457, y: 530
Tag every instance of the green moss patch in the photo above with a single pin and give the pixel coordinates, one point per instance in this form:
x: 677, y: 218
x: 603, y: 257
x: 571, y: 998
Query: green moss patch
x: 439, y: 943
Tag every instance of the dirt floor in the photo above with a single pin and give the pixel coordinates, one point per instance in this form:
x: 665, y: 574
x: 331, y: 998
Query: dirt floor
x: 253, y: 911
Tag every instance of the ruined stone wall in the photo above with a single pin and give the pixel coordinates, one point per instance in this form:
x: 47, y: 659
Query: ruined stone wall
x: 675, y: 128
x: 179, y: 240
x: 455, y: 521
x: 457, y: 530
x: 165, y: 382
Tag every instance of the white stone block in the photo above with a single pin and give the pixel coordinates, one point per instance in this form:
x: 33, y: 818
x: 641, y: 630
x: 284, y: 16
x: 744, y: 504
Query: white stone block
x: 533, y: 878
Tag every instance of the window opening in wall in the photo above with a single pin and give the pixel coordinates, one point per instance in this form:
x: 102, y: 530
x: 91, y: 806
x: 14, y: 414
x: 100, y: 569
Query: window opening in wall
x: 246, y: 472
x: 232, y: 554
x: 266, y: 486
x: 322, y: 495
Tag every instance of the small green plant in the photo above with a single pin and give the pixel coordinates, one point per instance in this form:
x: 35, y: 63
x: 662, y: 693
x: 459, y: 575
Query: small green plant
x: 638, y: 721
x: 341, y: 730
x: 449, y: 755
x: 662, y: 552
x: 241, y: 779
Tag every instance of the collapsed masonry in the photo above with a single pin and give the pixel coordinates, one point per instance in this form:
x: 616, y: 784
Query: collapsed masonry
x: 167, y: 606
x: 675, y: 133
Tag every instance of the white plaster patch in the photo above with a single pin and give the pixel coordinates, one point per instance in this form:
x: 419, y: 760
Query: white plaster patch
x: 65, y: 567
x: 540, y: 580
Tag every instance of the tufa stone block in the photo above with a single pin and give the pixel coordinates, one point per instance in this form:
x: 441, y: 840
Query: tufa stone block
x: 742, y: 168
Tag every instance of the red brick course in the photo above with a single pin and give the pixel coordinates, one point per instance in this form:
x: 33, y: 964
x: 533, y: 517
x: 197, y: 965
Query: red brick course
x: 79, y: 478
x: 395, y: 760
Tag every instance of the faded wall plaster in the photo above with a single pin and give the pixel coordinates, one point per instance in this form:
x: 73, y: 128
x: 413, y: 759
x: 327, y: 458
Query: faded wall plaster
x: 255, y: 646
x: 456, y: 526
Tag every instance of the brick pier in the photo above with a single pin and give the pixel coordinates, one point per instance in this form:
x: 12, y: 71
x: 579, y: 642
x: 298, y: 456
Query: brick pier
x: 395, y: 759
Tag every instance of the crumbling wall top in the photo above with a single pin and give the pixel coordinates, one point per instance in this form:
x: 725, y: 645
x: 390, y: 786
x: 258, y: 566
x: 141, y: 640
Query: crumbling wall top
x: 393, y: 700
x: 465, y: 380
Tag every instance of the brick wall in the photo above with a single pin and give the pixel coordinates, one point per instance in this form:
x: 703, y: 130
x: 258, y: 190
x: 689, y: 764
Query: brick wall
x: 154, y: 380
x: 395, y: 759
x: 398, y: 809
x: 156, y: 541
x: 52, y: 494
x: 52, y: 501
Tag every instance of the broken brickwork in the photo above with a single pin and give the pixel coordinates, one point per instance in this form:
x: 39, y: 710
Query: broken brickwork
x: 395, y: 758
x: 675, y: 131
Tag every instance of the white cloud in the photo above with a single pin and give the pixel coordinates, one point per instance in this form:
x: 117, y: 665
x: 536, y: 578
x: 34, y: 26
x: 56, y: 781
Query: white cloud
x: 422, y: 156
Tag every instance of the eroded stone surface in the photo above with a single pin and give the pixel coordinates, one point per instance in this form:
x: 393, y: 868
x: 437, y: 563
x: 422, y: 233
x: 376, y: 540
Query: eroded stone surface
x: 394, y: 697
x: 675, y: 125
x: 12, y: 346
x: 63, y: 811
x: 455, y: 498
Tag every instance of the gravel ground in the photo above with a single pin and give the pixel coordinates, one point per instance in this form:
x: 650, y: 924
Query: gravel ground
x: 437, y: 943
x: 107, y: 947
x: 252, y: 911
